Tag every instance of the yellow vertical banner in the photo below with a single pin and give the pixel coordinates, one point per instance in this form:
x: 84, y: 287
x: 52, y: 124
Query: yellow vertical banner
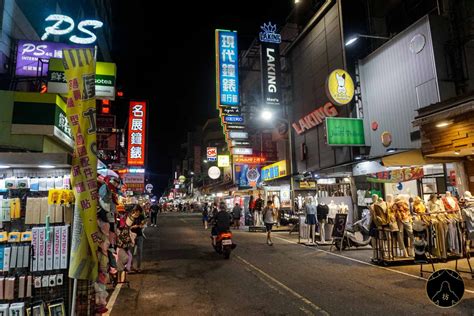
x: 79, y: 65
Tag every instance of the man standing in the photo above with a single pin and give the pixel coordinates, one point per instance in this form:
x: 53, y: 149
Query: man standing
x: 236, y: 213
x: 154, y: 209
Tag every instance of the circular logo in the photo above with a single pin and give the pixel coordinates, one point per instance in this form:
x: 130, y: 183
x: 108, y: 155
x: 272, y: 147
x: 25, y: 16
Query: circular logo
x: 214, y: 172
x: 253, y: 175
x: 386, y: 138
x: 374, y: 125
x: 340, y: 87
x: 149, y: 187
x: 182, y: 179
x: 445, y: 288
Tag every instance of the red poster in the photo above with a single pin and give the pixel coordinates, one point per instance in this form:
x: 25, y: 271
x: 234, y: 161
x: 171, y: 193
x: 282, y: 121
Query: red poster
x: 136, y: 133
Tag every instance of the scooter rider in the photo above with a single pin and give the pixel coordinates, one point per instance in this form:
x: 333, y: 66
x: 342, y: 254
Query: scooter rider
x: 221, y: 222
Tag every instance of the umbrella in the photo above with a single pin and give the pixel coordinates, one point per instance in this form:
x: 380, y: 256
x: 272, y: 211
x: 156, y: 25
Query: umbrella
x: 107, y: 173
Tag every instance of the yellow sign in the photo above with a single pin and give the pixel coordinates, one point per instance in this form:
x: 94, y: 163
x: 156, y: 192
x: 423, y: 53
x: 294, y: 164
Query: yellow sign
x: 274, y: 171
x: 340, y: 87
x: 79, y: 65
x: 223, y: 161
x: 307, y: 185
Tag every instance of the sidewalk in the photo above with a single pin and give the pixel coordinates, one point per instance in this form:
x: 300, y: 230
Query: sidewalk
x: 363, y: 256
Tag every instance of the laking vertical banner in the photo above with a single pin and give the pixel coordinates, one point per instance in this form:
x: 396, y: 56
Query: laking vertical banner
x: 79, y: 65
x: 270, y: 63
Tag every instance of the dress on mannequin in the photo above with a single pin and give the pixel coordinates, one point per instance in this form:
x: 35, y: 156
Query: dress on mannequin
x: 450, y: 203
x: 322, y: 214
x: 310, y: 210
x: 333, y: 209
x: 404, y: 222
x: 434, y: 205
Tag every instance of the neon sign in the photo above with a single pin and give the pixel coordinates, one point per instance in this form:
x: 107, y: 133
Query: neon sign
x: 65, y: 25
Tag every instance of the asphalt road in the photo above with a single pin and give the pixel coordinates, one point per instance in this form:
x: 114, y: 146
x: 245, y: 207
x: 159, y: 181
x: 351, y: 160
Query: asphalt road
x: 183, y: 276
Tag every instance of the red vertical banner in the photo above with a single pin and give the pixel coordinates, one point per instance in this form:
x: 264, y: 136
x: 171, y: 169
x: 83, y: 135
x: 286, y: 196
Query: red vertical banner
x: 136, y: 133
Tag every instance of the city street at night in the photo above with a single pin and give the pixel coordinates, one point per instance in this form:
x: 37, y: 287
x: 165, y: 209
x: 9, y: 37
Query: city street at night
x: 237, y: 157
x: 183, y: 275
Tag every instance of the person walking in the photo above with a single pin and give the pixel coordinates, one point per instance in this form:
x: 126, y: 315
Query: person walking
x: 236, y: 213
x: 268, y: 220
x: 154, y: 209
x: 137, y: 228
x: 205, y: 215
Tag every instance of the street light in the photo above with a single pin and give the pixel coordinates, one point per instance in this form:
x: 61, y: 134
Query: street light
x: 205, y: 161
x: 266, y: 115
x: 354, y: 38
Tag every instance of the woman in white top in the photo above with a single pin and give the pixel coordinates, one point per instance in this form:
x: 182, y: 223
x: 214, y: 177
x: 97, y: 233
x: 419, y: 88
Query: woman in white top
x: 268, y: 214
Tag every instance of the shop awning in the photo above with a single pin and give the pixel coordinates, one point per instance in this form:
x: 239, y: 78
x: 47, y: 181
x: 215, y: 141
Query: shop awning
x: 34, y: 160
x: 410, y: 158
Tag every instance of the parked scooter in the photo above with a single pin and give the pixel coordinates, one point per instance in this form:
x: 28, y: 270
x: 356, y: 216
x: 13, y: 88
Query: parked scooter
x: 224, y: 244
x: 357, y: 234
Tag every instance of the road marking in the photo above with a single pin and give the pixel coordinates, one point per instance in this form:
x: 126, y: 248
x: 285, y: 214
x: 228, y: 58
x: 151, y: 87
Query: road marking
x: 294, y: 293
x: 113, y: 298
x: 361, y: 262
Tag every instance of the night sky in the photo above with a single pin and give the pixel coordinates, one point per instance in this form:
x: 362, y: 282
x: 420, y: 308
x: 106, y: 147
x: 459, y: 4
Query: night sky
x: 178, y: 77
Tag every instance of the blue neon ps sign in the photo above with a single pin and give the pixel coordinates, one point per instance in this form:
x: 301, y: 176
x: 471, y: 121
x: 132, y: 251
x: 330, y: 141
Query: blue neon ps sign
x: 228, y: 68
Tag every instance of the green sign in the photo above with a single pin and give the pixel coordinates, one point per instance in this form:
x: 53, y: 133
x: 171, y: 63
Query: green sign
x: 345, y: 131
x: 104, y: 79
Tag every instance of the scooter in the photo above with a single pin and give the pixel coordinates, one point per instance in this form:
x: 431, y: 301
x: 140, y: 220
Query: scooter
x: 357, y: 234
x: 224, y: 244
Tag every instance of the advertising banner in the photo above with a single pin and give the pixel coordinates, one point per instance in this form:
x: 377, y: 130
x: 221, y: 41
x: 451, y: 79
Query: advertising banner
x: 104, y: 81
x: 247, y: 175
x: 223, y: 161
x: 274, y: 171
x: 227, y: 68
x: 395, y: 176
x: 211, y: 153
x: 79, y: 67
x: 134, y: 181
x: 271, y: 73
x: 136, y: 133
x: 32, y: 56
x: 345, y: 131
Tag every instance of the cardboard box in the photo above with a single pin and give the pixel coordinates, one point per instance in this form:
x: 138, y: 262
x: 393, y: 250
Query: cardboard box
x: 6, y: 259
x: 13, y: 257
x: 49, y: 249
x: 26, y: 256
x: 57, y: 248
x: 34, y: 245
x: 64, y: 246
x: 41, y: 249
x: 44, y: 210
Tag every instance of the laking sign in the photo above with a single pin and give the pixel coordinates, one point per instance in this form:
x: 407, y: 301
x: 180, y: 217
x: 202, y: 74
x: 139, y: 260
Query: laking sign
x: 270, y: 64
x: 136, y: 133
x: 314, y: 118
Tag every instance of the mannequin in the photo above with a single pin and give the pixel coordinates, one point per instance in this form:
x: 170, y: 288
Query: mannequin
x: 322, y: 214
x: 434, y: 205
x: 300, y: 202
x: 276, y: 205
x: 404, y: 222
x: 333, y: 209
x: 258, y: 211
x: 310, y: 211
x: 374, y: 226
x: 450, y: 203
